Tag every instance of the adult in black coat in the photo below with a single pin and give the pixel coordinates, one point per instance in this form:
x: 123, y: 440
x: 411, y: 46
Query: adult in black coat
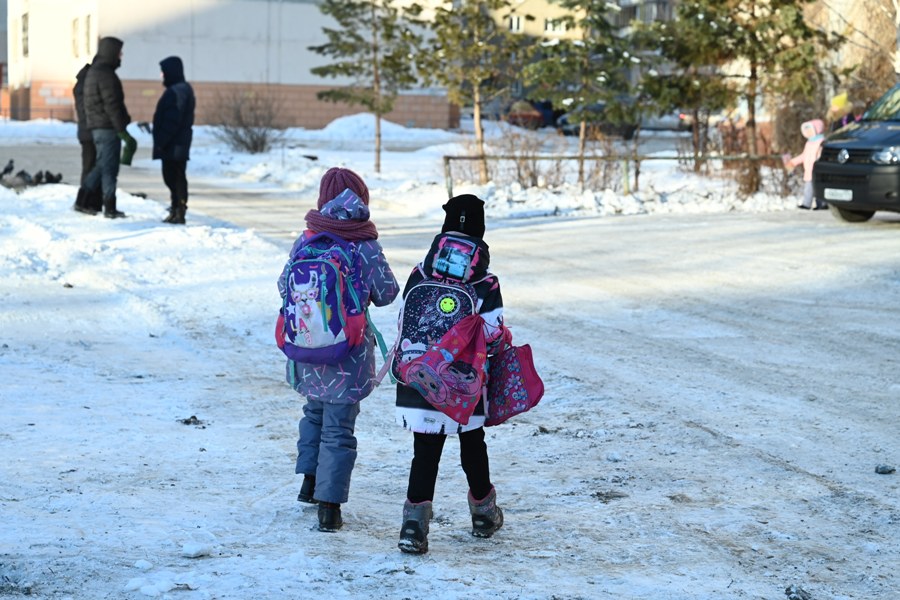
x: 106, y: 118
x: 94, y: 203
x: 173, y: 124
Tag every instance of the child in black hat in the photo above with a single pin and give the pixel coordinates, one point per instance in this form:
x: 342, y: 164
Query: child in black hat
x: 465, y: 214
x: 463, y: 228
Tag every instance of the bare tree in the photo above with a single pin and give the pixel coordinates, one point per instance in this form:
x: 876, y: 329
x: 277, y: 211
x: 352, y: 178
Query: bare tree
x: 248, y: 121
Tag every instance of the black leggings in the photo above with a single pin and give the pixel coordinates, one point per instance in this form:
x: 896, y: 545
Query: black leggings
x: 175, y: 178
x: 427, y: 449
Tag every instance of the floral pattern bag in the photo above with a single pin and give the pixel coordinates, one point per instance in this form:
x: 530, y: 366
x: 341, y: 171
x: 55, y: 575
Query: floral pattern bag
x: 514, y: 386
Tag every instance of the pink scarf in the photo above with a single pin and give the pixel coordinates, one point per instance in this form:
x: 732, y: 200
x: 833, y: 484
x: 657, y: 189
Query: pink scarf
x: 352, y: 231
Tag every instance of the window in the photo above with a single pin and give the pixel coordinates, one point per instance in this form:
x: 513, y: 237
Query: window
x: 647, y: 12
x: 515, y: 23
x: 656, y: 11
x: 555, y: 26
x: 75, y: 37
x: 25, y: 35
x: 87, y: 35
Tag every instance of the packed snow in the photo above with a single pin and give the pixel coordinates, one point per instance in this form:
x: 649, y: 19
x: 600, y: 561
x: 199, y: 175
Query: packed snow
x: 721, y: 387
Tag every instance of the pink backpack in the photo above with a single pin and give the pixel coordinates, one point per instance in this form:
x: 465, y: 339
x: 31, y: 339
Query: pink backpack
x: 450, y: 374
x: 514, y: 386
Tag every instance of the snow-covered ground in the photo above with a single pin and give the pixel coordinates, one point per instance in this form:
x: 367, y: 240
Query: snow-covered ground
x: 721, y: 384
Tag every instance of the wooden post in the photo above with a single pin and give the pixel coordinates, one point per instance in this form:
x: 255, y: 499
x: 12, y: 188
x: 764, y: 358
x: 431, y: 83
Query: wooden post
x: 448, y: 178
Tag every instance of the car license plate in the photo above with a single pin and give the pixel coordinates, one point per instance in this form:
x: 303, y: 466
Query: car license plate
x: 836, y: 194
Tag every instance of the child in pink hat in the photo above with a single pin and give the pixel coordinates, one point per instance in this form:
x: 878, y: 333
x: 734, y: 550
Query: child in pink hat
x: 813, y: 131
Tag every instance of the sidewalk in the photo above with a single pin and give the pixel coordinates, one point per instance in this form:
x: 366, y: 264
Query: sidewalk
x: 272, y: 212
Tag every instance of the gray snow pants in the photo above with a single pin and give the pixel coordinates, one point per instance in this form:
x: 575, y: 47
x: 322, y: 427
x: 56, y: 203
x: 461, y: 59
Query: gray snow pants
x: 327, y: 448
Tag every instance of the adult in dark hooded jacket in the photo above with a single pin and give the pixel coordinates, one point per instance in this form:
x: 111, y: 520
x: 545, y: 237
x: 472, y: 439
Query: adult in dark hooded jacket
x: 172, y: 134
x: 94, y: 203
x: 106, y: 118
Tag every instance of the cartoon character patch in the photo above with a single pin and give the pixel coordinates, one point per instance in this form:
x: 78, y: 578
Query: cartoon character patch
x: 425, y: 380
x: 460, y: 377
x: 410, y: 350
x: 305, y: 306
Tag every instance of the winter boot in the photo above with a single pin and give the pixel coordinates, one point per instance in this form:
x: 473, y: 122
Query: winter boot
x: 486, y: 515
x: 109, y: 209
x: 414, y: 532
x: 176, y: 212
x: 330, y: 517
x: 82, y: 202
x: 307, y: 489
x: 94, y: 200
x: 168, y: 218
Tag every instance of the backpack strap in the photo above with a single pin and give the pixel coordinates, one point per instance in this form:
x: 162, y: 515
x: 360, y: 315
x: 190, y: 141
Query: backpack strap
x: 421, y: 270
x: 326, y: 235
x: 308, y: 240
x: 385, y: 369
x: 378, y: 337
x: 386, y: 355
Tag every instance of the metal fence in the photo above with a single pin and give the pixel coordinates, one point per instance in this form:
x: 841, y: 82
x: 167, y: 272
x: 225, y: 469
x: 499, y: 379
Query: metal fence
x: 619, y: 172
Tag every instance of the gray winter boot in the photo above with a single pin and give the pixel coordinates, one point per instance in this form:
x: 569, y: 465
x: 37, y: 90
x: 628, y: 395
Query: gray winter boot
x: 414, y: 532
x: 486, y: 515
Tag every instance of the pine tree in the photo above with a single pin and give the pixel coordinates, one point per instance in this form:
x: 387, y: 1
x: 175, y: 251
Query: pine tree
x: 578, y: 73
x: 685, y: 71
x: 780, y: 53
x: 474, y: 57
x: 374, y: 47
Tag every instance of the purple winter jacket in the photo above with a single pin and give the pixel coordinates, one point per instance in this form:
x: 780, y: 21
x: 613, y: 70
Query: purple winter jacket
x: 352, y: 379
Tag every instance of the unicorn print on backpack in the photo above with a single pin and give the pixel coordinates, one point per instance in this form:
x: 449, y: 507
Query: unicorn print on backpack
x: 304, y: 297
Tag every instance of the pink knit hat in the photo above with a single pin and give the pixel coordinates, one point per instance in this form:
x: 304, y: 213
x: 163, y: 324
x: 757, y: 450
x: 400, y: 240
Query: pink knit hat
x: 336, y: 180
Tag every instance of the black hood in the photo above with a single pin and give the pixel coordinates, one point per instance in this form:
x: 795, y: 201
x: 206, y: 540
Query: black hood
x: 82, y: 73
x: 108, y: 51
x: 172, y: 70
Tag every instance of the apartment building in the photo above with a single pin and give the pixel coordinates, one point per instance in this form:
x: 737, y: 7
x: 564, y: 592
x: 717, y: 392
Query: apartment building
x: 257, y: 46
x: 260, y: 46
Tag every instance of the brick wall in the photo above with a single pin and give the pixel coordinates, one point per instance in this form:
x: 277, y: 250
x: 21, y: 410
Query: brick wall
x: 43, y: 100
x: 298, y: 105
x: 4, y: 102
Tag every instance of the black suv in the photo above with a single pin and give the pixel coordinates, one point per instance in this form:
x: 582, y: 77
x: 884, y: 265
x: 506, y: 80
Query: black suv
x: 858, y: 171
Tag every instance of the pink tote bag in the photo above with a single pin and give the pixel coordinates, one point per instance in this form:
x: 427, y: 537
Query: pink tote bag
x: 514, y: 386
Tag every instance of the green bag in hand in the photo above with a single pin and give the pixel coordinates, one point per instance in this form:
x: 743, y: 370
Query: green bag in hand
x: 128, y: 149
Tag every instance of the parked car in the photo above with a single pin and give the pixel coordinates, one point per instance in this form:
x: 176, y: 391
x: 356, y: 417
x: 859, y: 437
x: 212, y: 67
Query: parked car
x: 858, y: 172
x: 531, y: 114
x: 676, y: 120
x: 523, y: 114
x: 598, y: 121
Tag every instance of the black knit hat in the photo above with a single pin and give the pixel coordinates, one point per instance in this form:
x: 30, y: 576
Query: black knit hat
x: 465, y: 214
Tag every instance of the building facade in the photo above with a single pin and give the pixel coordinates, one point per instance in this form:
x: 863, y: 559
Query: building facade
x: 260, y: 47
x: 228, y: 47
